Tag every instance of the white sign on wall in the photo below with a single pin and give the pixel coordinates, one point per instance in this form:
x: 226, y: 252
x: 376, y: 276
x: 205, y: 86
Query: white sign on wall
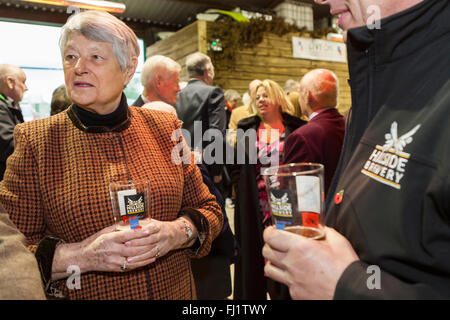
x: 317, y: 49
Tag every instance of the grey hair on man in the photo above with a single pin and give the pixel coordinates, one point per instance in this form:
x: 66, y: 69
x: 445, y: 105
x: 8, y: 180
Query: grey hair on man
x: 231, y: 95
x: 103, y: 27
x: 197, y: 63
x: 291, y: 86
x: 158, y: 66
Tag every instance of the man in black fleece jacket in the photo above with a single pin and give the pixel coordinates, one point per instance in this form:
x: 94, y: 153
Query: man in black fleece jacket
x: 388, y: 209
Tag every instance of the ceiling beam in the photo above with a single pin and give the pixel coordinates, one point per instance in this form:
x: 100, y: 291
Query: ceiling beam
x: 59, y: 17
x: 37, y: 15
x: 225, y: 5
x: 274, y: 3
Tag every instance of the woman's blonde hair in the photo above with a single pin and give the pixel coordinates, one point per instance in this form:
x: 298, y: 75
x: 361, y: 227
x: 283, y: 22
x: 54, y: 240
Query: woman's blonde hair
x: 276, y: 95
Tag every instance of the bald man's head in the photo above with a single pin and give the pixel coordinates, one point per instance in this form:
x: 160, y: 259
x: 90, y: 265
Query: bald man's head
x: 319, y: 89
x: 12, y: 82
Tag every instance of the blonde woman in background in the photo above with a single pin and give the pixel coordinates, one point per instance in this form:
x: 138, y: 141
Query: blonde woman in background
x: 270, y: 126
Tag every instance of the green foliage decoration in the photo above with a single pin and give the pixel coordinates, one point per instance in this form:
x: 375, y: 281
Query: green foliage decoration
x: 235, y: 36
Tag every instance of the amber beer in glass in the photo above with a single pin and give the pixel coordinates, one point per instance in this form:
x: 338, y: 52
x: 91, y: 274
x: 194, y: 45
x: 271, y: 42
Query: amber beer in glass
x: 296, y: 197
x: 130, y: 202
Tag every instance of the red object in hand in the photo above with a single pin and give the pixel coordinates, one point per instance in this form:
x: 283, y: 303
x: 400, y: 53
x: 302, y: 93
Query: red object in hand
x: 310, y: 219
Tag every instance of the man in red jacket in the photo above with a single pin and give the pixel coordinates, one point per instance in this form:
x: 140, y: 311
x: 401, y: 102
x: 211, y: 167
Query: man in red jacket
x: 320, y: 140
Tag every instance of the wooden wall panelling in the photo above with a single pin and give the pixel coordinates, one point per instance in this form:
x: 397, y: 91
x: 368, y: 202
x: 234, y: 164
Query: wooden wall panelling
x: 271, y: 59
x: 178, y: 46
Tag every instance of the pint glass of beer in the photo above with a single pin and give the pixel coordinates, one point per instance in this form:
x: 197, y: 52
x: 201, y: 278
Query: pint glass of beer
x: 130, y: 203
x: 296, y: 197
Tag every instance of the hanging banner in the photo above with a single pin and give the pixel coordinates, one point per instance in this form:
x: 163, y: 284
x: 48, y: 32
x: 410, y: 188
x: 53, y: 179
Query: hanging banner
x: 317, y: 49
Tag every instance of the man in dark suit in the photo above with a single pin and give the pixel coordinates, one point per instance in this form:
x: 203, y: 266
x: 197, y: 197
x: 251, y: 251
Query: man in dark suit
x: 211, y: 273
x: 320, y: 140
x: 12, y: 88
x: 139, y: 101
x: 201, y: 107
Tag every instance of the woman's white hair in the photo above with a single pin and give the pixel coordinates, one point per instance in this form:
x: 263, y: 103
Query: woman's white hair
x: 103, y: 27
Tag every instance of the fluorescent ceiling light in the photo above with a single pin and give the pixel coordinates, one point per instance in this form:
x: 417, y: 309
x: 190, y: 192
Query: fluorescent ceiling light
x: 108, y: 6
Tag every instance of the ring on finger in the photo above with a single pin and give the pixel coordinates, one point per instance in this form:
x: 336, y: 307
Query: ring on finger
x: 157, y: 252
x: 124, y: 266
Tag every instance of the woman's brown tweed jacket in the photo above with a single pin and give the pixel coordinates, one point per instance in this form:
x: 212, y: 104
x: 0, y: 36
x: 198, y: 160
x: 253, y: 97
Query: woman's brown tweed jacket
x: 56, y: 184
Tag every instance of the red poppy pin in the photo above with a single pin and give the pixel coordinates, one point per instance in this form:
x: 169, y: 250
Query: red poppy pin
x: 338, y: 197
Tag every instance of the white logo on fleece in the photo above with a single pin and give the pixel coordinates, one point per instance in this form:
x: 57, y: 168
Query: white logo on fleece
x: 387, y: 163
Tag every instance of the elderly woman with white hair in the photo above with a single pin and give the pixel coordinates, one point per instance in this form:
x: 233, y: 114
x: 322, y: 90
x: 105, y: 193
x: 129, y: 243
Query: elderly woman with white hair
x: 56, y: 182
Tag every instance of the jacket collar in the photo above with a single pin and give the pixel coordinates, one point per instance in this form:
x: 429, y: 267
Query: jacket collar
x: 3, y: 97
x: 194, y: 80
x: 249, y: 122
x: 325, y: 113
x: 123, y: 125
x: 393, y: 40
x: 289, y: 121
x: 15, y: 109
x: 7, y: 100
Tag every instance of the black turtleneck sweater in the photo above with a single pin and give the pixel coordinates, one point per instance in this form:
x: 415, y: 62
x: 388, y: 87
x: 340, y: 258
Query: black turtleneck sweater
x: 110, y: 120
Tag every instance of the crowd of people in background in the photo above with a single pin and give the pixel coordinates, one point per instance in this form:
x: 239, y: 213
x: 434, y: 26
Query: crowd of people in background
x: 55, y: 202
x: 270, y: 108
